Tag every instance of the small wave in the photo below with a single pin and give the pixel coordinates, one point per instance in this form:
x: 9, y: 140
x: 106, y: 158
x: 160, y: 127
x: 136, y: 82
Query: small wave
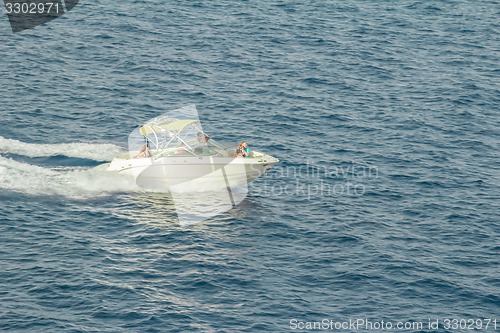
x: 94, y: 151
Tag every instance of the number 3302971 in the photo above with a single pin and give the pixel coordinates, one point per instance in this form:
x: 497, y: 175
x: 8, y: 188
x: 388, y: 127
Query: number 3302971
x: 31, y: 8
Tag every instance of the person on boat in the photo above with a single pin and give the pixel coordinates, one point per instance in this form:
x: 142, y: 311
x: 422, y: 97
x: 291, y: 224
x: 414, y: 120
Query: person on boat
x: 182, y: 149
x: 144, y: 151
x: 243, y: 150
x: 200, y: 139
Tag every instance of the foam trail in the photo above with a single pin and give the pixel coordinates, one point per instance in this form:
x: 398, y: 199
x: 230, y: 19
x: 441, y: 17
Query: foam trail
x: 97, y: 152
x: 79, y: 183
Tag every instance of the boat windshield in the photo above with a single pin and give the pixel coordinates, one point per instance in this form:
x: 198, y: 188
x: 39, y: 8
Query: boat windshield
x: 178, y: 132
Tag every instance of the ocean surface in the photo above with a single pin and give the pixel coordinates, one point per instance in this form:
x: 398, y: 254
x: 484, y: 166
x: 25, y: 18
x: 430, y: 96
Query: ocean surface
x: 384, y: 206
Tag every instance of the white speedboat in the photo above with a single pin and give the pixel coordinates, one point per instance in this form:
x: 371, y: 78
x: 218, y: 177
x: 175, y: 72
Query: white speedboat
x: 171, y: 154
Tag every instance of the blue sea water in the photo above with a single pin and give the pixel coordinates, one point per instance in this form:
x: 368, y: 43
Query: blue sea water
x: 385, y: 204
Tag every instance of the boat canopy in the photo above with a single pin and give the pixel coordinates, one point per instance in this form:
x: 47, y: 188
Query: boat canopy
x: 172, y: 125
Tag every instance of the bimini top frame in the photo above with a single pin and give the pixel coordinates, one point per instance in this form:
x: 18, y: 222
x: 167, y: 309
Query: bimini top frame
x: 168, y: 134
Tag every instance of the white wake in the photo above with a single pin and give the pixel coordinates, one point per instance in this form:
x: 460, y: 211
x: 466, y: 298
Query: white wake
x: 97, y: 152
x: 64, y: 181
x: 69, y: 182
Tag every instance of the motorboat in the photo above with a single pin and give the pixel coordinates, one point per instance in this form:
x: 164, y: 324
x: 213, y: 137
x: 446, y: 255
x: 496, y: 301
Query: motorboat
x: 172, y: 154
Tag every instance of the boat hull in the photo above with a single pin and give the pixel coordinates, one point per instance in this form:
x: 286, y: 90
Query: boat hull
x: 193, y: 173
